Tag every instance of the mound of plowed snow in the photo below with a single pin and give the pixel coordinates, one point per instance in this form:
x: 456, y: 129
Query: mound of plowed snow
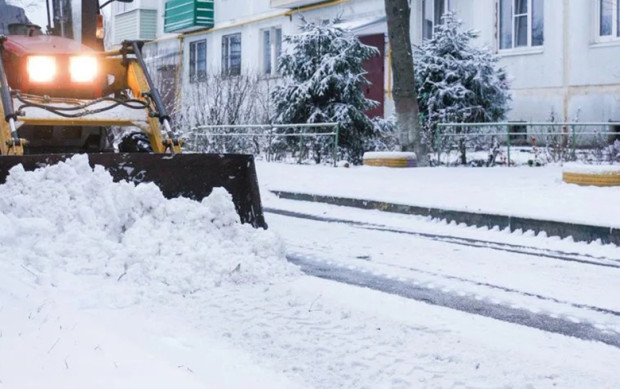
x: 70, y: 217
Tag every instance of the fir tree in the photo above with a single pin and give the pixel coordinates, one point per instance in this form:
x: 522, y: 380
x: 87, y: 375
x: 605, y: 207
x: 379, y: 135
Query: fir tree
x: 323, y: 80
x: 457, y: 82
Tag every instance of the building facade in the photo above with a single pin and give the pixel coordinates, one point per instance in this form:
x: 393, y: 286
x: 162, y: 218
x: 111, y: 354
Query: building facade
x: 559, y: 54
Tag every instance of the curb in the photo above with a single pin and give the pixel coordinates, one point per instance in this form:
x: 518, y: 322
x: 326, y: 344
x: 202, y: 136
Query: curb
x: 579, y: 232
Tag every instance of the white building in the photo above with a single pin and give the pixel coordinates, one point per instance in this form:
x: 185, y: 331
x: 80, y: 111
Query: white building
x: 559, y: 53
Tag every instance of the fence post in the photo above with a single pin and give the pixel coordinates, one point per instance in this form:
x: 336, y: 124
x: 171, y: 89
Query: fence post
x: 269, y: 143
x: 508, y: 144
x: 438, y: 143
x: 301, y: 140
x: 335, y: 152
x: 573, y: 142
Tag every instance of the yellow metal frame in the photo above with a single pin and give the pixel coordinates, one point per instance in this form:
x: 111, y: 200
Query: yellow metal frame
x: 7, y: 143
x: 136, y: 81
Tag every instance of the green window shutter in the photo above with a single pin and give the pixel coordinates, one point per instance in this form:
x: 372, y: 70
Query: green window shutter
x: 187, y: 15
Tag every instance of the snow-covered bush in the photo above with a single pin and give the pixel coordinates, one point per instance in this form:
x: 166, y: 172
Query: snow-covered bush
x: 211, y: 99
x: 614, y: 151
x: 323, y: 80
x: 224, y: 100
x: 457, y: 82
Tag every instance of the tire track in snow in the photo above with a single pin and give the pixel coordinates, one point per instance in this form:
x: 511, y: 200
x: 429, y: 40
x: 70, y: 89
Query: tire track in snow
x: 469, y: 304
x: 469, y: 242
x: 503, y: 288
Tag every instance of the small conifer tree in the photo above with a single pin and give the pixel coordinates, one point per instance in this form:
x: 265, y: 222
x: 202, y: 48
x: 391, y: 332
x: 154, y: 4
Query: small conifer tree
x: 457, y: 82
x: 323, y: 80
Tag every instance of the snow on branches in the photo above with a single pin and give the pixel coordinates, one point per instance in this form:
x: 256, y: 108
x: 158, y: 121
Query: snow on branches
x: 457, y: 82
x: 323, y: 80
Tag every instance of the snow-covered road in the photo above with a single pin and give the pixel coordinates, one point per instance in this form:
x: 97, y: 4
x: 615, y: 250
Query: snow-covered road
x: 556, y: 285
x: 148, y: 292
x: 574, y: 281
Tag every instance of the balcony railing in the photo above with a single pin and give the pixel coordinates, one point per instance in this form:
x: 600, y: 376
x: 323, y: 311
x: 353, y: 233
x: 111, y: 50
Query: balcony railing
x: 188, y: 15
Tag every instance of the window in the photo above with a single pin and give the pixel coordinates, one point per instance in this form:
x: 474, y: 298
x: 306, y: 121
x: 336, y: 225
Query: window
x: 432, y: 12
x: 521, y: 23
x: 272, y: 48
x: 198, y: 60
x: 231, y: 54
x: 609, y: 18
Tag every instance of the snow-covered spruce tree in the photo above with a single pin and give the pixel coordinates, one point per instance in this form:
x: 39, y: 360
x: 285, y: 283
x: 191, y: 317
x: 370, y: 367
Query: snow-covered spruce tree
x: 457, y: 82
x: 323, y: 80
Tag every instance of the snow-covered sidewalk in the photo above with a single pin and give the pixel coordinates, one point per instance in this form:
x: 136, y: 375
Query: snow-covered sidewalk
x: 533, y: 192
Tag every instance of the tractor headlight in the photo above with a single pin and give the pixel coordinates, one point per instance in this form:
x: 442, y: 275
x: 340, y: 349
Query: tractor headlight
x: 83, y: 69
x: 41, y: 68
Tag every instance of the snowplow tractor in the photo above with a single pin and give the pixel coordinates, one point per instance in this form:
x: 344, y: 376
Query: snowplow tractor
x: 60, y: 97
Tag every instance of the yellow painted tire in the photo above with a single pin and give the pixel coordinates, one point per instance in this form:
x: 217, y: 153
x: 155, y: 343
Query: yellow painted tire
x: 390, y: 159
x: 390, y: 162
x: 603, y: 179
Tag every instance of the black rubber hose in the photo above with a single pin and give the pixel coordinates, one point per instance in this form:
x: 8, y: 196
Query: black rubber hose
x: 68, y: 115
x: 133, y: 104
x: 159, y: 103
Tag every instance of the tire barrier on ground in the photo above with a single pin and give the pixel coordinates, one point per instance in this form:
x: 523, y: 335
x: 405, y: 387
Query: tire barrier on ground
x: 390, y: 159
x: 596, y: 179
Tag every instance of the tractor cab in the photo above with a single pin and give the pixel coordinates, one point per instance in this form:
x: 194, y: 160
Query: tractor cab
x: 13, y: 20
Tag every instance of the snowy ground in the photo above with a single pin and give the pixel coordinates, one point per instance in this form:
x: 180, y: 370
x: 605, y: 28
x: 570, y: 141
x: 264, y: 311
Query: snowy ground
x: 146, y: 292
x: 536, y: 192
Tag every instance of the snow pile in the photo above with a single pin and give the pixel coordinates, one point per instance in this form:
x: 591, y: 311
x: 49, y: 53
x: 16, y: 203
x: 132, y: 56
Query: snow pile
x: 70, y: 217
x: 581, y: 168
x: 388, y: 154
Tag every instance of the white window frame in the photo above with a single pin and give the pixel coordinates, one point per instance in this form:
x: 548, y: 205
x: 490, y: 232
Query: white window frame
x: 614, y: 22
x: 227, y: 57
x: 514, y: 16
x: 274, y: 55
x: 448, y: 6
x: 193, y: 46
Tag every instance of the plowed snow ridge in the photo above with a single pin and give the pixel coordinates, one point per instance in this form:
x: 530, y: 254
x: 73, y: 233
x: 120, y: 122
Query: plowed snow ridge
x: 71, y: 217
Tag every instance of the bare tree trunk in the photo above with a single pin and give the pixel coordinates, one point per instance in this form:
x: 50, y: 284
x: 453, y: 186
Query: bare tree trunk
x: 404, y: 92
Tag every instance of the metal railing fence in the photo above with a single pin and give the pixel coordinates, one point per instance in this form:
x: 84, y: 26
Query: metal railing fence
x: 273, y: 140
x: 504, y: 135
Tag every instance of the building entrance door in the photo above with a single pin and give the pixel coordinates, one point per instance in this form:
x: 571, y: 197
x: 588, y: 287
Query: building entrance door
x: 376, y: 73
